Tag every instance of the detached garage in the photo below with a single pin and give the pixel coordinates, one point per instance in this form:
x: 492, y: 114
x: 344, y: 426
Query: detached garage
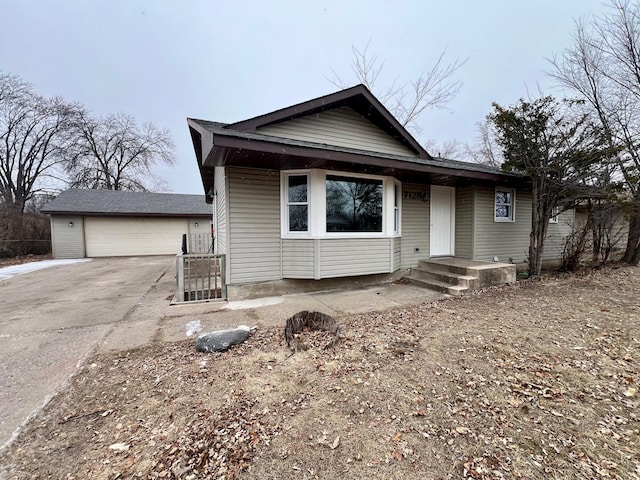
x: 106, y: 223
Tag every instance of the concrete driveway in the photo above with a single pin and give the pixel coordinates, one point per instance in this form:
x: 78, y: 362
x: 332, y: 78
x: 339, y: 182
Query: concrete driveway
x: 52, y: 319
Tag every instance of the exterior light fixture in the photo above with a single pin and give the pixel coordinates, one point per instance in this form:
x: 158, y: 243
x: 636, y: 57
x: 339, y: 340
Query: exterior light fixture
x: 196, y: 224
x: 70, y: 224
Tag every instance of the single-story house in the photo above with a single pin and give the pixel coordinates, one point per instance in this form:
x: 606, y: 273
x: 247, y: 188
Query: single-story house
x: 107, y: 223
x: 335, y: 187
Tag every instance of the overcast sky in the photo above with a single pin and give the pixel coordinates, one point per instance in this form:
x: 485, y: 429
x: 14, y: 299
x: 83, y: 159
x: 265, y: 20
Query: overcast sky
x: 166, y: 60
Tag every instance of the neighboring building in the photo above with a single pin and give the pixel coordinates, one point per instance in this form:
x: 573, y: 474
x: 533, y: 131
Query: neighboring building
x: 108, y: 223
x: 336, y: 187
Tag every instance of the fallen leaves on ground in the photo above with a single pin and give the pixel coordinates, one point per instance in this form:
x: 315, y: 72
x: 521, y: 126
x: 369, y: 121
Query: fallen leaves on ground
x: 532, y: 381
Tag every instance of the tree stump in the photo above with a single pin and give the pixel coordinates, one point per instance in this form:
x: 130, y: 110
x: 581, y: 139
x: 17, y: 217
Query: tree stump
x: 310, y: 321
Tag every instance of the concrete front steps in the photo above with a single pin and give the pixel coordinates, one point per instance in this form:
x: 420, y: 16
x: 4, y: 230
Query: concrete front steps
x: 456, y: 275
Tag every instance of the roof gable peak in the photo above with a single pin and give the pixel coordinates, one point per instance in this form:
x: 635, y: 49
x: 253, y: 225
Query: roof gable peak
x: 358, y: 97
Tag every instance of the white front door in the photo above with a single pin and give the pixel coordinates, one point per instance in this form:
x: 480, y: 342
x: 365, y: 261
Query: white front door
x: 442, y: 224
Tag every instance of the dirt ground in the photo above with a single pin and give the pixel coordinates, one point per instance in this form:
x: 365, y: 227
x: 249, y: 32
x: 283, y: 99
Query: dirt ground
x: 531, y: 381
x: 7, y: 262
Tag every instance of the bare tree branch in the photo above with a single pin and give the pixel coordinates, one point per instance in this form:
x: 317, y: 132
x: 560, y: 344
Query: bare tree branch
x: 34, y: 137
x: 603, y: 66
x: 115, y: 153
x: 434, y: 88
x: 485, y: 150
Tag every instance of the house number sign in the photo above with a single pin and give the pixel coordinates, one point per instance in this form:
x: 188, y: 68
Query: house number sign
x: 424, y: 196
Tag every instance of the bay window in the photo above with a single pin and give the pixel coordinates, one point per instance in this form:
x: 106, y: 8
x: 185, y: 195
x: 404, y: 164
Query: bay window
x: 318, y: 203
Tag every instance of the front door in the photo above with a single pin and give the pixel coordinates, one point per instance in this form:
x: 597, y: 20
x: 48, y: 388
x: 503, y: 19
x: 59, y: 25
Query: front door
x: 442, y: 236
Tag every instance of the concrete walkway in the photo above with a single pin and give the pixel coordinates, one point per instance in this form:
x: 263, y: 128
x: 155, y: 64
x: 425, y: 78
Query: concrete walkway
x: 154, y: 319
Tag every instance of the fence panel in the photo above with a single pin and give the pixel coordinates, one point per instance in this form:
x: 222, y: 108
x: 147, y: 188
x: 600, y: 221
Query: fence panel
x: 200, y: 277
x: 200, y: 243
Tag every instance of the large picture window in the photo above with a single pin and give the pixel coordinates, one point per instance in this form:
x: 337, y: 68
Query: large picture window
x: 353, y: 204
x: 298, y: 203
x: 504, y: 205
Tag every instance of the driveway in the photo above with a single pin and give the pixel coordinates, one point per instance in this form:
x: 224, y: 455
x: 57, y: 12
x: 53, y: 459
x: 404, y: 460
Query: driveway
x: 52, y: 319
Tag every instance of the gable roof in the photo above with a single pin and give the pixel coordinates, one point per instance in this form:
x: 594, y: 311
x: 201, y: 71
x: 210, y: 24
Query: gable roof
x: 358, y: 97
x: 124, y: 203
x: 252, y: 144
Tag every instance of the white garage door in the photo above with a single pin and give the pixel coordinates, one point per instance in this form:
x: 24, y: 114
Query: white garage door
x: 116, y: 237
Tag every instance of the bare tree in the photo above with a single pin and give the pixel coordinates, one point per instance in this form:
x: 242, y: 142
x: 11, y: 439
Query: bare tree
x: 34, y: 139
x: 603, y: 66
x: 445, y: 149
x: 485, y: 150
x: 115, y: 153
x: 434, y: 88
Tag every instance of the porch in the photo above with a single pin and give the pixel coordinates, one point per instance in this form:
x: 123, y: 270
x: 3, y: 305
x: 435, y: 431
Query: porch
x: 455, y: 275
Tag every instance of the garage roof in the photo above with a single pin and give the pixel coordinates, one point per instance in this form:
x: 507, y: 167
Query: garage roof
x: 121, y: 203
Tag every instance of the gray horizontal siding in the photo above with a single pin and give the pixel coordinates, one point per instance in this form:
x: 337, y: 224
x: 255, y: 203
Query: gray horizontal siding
x: 354, y: 256
x: 617, y: 220
x: 298, y: 258
x: 464, y: 222
x: 342, y: 127
x: 254, y: 225
x: 504, y: 240
x: 415, y: 227
x: 68, y: 242
x: 397, y: 253
x: 557, y: 234
x: 507, y: 240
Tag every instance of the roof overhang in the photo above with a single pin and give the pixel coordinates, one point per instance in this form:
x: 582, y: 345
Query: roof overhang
x: 125, y: 214
x: 222, y: 148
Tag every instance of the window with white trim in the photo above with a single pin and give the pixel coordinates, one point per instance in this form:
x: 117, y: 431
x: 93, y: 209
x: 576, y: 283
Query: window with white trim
x: 554, y: 215
x: 297, y: 203
x: 504, y: 205
x: 319, y: 203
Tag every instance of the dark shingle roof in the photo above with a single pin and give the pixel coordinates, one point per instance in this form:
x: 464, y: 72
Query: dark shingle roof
x: 110, y: 202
